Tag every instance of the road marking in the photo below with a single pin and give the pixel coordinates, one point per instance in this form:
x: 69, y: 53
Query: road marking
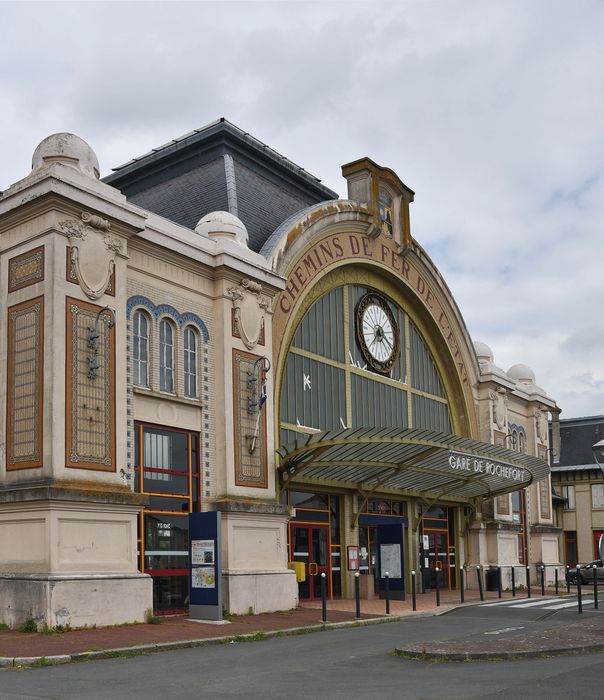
x: 572, y: 604
x: 505, y: 629
x: 524, y: 603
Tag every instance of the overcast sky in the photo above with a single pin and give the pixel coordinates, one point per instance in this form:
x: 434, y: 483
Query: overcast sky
x: 491, y: 111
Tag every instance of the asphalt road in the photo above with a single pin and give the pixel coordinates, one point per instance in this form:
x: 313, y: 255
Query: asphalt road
x: 347, y: 663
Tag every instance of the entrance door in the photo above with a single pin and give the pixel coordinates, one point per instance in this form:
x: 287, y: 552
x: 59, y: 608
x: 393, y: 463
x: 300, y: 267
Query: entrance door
x: 438, y: 557
x: 310, y: 544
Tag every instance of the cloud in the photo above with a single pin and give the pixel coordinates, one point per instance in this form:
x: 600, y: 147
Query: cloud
x: 491, y: 112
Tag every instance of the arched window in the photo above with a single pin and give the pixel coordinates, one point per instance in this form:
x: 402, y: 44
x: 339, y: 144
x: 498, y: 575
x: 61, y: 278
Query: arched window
x: 166, y: 356
x: 521, y: 442
x: 141, y: 349
x: 190, y: 358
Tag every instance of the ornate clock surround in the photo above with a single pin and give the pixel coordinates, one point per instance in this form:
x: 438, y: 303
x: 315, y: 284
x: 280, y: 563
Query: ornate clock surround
x: 374, y: 299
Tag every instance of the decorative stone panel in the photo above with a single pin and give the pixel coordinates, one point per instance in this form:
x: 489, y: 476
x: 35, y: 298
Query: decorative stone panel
x: 90, y: 400
x: 25, y: 380
x: 26, y: 269
x: 251, y: 467
x: 72, y: 273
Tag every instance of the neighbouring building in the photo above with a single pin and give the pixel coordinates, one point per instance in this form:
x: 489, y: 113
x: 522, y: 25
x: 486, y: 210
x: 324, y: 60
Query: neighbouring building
x: 578, y: 481
x: 211, y: 328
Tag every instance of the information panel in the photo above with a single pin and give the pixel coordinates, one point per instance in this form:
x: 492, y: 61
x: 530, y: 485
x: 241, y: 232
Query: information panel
x: 205, y: 580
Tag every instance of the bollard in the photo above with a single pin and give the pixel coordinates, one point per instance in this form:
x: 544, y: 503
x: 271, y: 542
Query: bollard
x: 357, y: 593
x: 595, y: 568
x: 567, y: 578
x: 462, y: 585
x: 513, y: 581
x: 528, y: 581
x: 387, y: 575
x: 479, y: 575
x: 542, y: 580
x: 556, y: 579
x: 579, y: 598
x: 437, y: 570
x: 499, y: 582
x: 324, y: 597
x: 413, y: 592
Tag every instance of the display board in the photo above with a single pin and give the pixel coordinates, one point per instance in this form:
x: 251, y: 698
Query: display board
x: 205, y: 579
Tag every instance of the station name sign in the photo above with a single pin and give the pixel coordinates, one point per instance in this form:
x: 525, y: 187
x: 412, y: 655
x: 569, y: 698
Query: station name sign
x: 482, y: 466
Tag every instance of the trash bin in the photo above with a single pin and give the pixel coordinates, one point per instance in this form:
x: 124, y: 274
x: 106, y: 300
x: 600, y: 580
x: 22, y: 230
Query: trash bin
x: 492, y: 579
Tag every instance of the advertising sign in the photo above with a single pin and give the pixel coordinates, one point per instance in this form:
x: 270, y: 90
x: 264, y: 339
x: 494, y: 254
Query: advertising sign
x: 205, y: 581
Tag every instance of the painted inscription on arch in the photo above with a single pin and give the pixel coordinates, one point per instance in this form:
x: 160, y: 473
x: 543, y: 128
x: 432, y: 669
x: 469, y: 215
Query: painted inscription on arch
x: 338, y: 247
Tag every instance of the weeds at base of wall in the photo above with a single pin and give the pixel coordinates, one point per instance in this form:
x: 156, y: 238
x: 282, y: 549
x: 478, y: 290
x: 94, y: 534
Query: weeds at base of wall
x: 29, y: 626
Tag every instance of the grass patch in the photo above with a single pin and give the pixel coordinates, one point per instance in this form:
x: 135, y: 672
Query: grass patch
x: 42, y: 661
x: 257, y: 637
x: 4, y: 626
x: 152, y: 619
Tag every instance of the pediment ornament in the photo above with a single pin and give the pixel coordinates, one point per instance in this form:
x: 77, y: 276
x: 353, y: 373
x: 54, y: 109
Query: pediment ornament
x: 93, y: 250
x: 250, y: 308
x: 499, y: 400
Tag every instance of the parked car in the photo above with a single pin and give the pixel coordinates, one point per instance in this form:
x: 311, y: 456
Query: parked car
x: 587, y: 574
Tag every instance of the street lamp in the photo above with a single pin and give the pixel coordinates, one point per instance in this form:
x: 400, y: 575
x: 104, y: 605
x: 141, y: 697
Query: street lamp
x: 598, y: 451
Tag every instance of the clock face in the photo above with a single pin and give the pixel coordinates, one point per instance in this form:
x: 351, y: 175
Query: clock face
x: 377, y: 332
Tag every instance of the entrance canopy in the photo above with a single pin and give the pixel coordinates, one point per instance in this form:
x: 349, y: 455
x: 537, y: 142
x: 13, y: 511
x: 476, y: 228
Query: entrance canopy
x: 440, y: 465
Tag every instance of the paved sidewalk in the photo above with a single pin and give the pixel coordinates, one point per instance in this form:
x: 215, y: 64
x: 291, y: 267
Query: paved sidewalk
x: 21, y: 649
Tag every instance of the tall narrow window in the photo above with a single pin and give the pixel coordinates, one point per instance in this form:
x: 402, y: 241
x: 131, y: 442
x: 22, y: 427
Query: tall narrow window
x: 166, y: 356
x: 141, y: 349
x: 190, y: 362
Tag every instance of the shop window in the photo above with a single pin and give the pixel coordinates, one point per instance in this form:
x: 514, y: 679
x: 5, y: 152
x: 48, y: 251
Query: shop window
x: 140, y: 356
x: 166, y: 356
x: 568, y: 492
x: 597, y: 495
x: 190, y: 362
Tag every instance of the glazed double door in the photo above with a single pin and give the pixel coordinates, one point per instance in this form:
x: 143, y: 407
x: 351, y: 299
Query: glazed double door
x: 310, y: 545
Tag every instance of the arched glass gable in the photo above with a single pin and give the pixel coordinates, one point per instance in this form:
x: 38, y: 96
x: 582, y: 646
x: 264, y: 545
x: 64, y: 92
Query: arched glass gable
x: 329, y: 385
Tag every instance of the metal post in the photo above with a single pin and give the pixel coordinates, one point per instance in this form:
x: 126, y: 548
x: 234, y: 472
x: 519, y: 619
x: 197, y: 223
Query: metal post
x: 528, y: 581
x: 413, y: 591
x: 595, y: 570
x: 387, y: 576
x: 462, y: 584
x: 542, y: 580
x: 556, y: 579
x: 323, y: 597
x: 357, y: 593
x: 437, y: 587
x: 479, y: 575
x: 579, y: 598
x: 499, y: 582
x: 567, y: 578
x: 513, y: 581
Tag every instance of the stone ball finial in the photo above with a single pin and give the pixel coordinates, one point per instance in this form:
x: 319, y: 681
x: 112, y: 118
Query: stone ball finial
x: 522, y: 374
x: 68, y: 149
x: 223, y: 224
x: 483, y: 352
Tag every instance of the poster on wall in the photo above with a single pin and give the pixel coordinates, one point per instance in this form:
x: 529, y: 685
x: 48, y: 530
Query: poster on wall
x: 353, y: 558
x: 202, y: 552
x: 390, y: 557
x: 203, y: 577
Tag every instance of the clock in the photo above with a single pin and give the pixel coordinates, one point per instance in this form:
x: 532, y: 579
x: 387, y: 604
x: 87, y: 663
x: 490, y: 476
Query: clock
x: 377, y: 332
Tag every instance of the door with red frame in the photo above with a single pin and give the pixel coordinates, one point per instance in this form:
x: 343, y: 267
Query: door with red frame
x: 310, y: 545
x: 438, y: 557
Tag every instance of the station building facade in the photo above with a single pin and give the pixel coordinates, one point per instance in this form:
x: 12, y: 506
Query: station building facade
x: 210, y: 328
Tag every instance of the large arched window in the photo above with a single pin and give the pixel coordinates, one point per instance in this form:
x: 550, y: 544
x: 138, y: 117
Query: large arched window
x: 166, y: 356
x: 140, y: 356
x: 190, y: 362
x: 358, y: 361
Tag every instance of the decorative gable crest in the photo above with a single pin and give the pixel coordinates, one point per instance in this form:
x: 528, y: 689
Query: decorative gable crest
x: 250, y: 307
x: 92, y: 251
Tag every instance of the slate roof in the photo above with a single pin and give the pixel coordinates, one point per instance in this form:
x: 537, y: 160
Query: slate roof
x: 220, y: 167
x: 577, y: 435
